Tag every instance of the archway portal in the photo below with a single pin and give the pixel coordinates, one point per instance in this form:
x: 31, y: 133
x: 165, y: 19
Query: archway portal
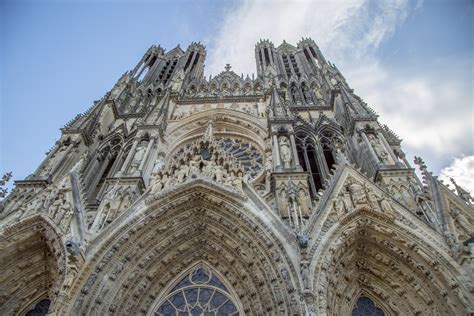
x: 199, y: 292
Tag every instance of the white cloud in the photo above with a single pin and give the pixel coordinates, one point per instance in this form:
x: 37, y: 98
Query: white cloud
x: 462, y: 170
x: 431, y: 110
x: 431, y: 114
x: 337, y: 27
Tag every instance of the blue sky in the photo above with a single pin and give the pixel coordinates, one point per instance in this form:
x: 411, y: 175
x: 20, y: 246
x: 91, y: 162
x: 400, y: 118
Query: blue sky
x: 412, y: 61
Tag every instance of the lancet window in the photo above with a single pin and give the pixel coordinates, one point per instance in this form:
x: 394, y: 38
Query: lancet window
x: 308, y: 159
x: 200, y: 292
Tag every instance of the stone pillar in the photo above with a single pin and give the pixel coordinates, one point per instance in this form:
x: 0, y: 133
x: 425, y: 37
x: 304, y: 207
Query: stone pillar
x: 131, y: 153
x: 295, y: 153
x: 387, y: 147
x: 147, y: 152
x: 276, y: 147
x: 372, y: 152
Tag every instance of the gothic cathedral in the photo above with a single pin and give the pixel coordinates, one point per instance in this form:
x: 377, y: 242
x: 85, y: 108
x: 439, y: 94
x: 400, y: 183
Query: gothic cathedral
x: 279, y: 194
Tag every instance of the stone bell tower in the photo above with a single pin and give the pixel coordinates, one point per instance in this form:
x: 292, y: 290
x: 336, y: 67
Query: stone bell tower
x: 280, y: 194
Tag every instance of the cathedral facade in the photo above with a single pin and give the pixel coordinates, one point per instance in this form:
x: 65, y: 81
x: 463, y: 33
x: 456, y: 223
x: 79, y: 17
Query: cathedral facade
x: 276, y: 194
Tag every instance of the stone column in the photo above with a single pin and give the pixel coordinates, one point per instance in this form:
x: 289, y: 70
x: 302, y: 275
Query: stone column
x: 387, y: 147
x: 147, y: 152
x: 372, y: 152
x: 295, y: 153
x: 276, y: 147
x: 131, y: 153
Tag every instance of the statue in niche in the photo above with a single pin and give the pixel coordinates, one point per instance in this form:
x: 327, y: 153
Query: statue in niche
x: 356, y: 191
x: 138, y: 157
x: 372, y: 198
x: 177, y: 80
x: 318, y: 94
x: 305, y: 275
x: 295, y: 94
x: 283, y: 204
x: 178, y: 113
x: 305, y: 202
x: 67, y: 213
x: 285, y: 152
x: 307, y: 95
x: 378, y: 148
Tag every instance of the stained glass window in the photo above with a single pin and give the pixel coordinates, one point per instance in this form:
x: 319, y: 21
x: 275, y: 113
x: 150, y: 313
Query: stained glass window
x: 200, y: 292
x: 366, y: 307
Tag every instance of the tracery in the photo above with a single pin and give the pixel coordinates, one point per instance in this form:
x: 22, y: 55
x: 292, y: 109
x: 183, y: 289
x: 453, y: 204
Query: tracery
x: 200, y: 292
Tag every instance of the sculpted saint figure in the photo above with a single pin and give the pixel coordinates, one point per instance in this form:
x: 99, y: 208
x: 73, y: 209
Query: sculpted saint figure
x: 356, y: 191
x: 379, y: 150
x: 283, y: 204
x: 285, y: 152
x: 138, y: 157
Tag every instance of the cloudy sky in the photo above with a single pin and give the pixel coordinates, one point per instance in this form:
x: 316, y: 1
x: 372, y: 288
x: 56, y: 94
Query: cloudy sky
x: 412, y: 61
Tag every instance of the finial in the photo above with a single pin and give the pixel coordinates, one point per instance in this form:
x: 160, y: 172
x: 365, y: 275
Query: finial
x: 227, y: 67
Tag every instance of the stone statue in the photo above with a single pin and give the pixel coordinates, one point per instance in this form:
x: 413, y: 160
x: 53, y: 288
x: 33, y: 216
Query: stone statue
x: 285, y: 152
x: 356, y: 191
x: 295, y: 95
x: 138, y: 157
x: 283, y: 204
x: 385, y: 205
x: 305, y: 203
x: 378, y: 148
x: 67, y: 212
x: 339, y: 205
x: 305, y: 275
x: 177, y: 80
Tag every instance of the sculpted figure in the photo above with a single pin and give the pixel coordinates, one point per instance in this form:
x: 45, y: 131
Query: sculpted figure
x: 379, y: 150
x: 138, y: 157
x: 295, y: 94
x: 283, y: 204
x: 356, y: 191
x: 285, y: 152
x: 385, y: 205
x: 219, y: 174
x: 181, y: 174
x: 305, y: 203
x: 67, y: 212
x: 340, y: 205
x: 305, y: 275
x: 194, y: 165
x: 54, y: 208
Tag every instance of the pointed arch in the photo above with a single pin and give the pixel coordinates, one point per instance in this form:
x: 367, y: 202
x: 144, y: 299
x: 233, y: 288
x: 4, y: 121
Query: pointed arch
x: 33, y: 261
x: 369, y: 251
x: 145, y: 252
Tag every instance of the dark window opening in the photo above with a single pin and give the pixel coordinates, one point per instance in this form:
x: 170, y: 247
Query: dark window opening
x: 188, y: 61
x: 40, y: 309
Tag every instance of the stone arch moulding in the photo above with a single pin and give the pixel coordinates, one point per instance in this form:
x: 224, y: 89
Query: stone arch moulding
x: 370, y: 252
x: 134, y: 262
x: 33, y: 261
